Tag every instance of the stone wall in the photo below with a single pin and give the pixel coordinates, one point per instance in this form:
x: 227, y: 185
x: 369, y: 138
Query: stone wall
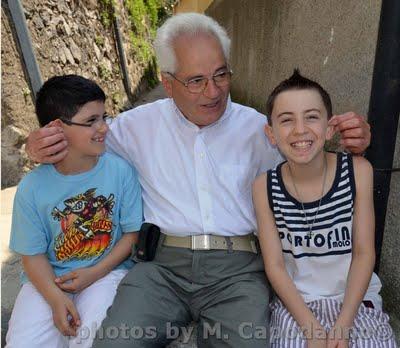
x: 68, y: 37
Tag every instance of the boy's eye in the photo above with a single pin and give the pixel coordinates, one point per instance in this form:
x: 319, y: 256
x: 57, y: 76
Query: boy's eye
x: 91, y: 120
x: 285, y: 120
x: 312, y: 117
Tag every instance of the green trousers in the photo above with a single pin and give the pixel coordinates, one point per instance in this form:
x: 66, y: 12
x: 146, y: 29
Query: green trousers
x: 225, y: 292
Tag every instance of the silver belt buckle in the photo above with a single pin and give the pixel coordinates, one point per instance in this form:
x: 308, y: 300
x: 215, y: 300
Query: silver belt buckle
x: 201, y: 242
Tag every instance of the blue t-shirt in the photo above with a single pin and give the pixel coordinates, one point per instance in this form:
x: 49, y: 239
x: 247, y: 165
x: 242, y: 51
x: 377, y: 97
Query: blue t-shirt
x: 76, y: 219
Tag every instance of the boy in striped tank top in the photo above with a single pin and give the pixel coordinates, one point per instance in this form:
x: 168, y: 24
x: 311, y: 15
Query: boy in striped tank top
x: 315, y: 218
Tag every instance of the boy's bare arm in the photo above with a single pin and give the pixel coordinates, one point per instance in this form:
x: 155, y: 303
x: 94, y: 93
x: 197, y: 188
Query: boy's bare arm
x: 363, y: 254
x: 275, y: 268
x: 41, y: 275
x: 81, y: 278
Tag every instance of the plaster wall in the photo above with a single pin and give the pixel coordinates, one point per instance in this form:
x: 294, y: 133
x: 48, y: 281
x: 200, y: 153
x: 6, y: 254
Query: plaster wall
x: 333, y: 42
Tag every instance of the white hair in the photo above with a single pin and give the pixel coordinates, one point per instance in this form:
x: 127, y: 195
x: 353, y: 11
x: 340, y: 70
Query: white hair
x: 190, y: 24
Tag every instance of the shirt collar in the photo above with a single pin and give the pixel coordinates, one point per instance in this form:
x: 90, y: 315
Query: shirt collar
x: 184, y: 121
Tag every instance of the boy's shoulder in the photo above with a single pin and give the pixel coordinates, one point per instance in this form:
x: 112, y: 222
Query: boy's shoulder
x: 33, y: 179
x: 361, y: 166
x: 361, y: 162
x: 112, y: 160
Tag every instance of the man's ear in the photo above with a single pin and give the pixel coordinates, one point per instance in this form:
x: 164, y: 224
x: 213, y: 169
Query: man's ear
x: 167, y: 84
x: 330, y: 131
x: 270, y: 134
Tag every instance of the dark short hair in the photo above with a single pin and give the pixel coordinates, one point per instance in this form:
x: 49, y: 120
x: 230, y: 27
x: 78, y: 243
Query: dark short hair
x: 298, y: 82
x: 63, y: 96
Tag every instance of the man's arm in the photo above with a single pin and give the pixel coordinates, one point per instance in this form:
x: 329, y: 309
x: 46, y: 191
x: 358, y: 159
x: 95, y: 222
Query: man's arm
x: 81, y: 278
x: 354, y: 130
x: 363, y: 254
x: 41, y: 275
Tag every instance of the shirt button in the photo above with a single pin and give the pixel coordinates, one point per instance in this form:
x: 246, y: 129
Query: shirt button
x: 201, y: 154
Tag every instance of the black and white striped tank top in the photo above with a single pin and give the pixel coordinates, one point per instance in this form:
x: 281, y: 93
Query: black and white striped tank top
x: 318, y: 262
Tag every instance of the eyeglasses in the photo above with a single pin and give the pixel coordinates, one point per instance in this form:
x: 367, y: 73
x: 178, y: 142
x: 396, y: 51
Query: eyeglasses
x: 199, y: 84
x: 94, y: 123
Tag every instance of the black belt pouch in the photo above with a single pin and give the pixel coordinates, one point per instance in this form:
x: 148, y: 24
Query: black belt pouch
x: 146, y: 247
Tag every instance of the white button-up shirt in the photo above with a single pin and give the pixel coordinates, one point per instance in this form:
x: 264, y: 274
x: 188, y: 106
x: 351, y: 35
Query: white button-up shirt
x: 195, y: 180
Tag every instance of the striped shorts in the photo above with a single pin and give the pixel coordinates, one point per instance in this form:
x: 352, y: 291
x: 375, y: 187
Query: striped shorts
x: 371, y: 326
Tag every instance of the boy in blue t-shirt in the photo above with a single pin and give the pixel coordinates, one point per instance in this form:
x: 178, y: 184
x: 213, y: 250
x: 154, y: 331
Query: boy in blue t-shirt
x: 72, y: 224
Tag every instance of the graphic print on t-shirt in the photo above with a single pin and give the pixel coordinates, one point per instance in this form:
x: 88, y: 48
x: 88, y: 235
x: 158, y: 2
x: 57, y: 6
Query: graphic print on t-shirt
x: 85, y: 224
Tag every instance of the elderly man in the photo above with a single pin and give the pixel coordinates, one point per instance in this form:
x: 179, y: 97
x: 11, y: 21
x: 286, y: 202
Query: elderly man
x: 197, y: 154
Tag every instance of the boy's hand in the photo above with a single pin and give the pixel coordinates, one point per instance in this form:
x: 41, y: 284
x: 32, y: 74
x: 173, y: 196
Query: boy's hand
x: 65, y: 315
x: 77, y: 280
x: 338, y: 344
x: 47, y: 144
x: 316, y: 343
x: 354, y: 130
x: 338, y: 337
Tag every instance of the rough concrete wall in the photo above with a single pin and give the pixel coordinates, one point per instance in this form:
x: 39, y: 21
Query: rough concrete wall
x: 67, y: 37
x: 331, y: 41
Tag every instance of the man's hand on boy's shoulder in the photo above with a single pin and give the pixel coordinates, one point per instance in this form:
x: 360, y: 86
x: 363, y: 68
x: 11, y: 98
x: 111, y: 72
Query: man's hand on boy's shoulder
x: 78, y: 279
x: 354, y: 130
x: 46, y: 144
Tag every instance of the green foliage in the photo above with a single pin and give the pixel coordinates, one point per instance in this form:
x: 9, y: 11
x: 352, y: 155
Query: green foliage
x: 116, y: 99
x: 150, y: 74
x: 99, y: 40
x: 137, y: 15
x: 143, y: 49
x: 106, y: 12
x: 27, y: 93
x: 152, y: 8
x: 144, y: 20
x: 145, y: 17
x: 104, y: 73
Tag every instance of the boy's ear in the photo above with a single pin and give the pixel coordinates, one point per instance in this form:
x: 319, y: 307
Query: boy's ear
x: 270, y: 134
x: 330, y: 131
x: 57, y: 123
x: 167, y: 84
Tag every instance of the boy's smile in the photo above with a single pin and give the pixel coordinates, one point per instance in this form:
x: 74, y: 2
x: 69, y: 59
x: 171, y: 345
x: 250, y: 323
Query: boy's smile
x: 299, y: 125
x: 88, y: 141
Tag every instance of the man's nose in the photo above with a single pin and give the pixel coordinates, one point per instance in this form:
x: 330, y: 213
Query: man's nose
x: 211, y: 90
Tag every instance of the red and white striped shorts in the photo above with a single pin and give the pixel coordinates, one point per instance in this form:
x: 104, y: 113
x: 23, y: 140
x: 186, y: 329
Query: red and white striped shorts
x: 371, y: 326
